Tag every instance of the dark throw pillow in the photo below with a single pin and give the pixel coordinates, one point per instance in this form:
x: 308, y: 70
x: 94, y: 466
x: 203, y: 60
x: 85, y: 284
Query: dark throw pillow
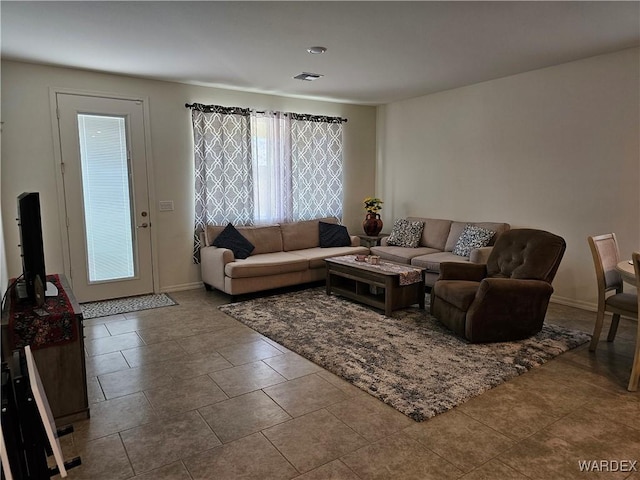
x: 233, y: 240
x: 333, y: 235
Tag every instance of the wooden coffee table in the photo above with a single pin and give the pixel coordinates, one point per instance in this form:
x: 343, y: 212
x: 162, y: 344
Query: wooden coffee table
x: 381, y: 286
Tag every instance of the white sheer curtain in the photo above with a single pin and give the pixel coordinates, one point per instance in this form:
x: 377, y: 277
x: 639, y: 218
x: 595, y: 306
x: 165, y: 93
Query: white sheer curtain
x: 271, y: 167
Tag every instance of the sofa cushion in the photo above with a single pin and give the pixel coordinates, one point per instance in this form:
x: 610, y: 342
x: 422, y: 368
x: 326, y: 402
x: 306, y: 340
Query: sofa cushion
x: 434, y: 233
x: 303, y: 234
x: 266, y: 264
x: 316, y: 256
x: 266, y: 238
x: 432, y: 261
x: 401, y: 254
x: 458, y: 227
x: 333, y: 235
x: 472, y: 237
x: 233, y: 240
x: 405, y: 233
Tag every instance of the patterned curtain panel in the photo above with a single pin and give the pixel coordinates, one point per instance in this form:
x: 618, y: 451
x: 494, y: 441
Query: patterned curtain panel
x: 316, y: 159
x: 223, y: 177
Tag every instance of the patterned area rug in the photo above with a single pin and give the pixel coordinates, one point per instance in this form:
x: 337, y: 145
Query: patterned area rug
x: 410, y: 361
x: 124, y: 305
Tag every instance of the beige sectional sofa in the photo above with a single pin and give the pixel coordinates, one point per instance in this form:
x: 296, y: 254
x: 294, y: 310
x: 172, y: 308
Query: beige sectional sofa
x: 285, y: 254
x: 438, y: 239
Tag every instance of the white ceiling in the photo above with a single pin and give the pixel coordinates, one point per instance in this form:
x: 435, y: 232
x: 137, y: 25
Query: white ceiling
x: 378, y: 52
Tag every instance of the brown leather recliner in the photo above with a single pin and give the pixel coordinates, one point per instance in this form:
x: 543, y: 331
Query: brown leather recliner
x: 507, y: 298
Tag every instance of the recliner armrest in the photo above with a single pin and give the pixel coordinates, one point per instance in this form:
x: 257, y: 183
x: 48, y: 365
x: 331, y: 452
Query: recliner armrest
x: 506, y: 286
x: 474, y: 272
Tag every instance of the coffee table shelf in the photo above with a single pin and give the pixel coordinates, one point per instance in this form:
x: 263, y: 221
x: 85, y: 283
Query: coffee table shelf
x: 360, y: 282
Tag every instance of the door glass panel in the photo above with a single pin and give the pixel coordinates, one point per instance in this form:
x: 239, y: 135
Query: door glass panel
x: 107, y: 197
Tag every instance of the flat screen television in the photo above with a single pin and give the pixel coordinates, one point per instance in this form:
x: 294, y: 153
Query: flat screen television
x: 32, y: 248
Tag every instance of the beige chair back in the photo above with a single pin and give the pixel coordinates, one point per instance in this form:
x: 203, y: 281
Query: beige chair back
x: 606, y: 256
x: 611, y: 297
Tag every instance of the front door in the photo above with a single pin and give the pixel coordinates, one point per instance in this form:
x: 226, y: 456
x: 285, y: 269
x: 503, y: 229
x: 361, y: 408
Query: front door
x: 104, y: 165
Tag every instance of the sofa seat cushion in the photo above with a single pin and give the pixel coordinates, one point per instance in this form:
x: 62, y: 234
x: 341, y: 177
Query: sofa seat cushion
x: 459, y: 293
x: 316, y: 256
x: 266, y: 264
x: 401, y: 254
x: 432, y: 261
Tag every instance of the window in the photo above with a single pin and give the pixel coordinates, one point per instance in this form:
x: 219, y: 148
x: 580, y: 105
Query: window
x: 107, y: 197
x: 264, y: 167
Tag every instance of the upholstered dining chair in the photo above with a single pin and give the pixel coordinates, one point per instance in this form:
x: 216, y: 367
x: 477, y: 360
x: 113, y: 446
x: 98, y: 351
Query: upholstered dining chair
x: 611, y: 298
x: 507, y: 298
x: 635, y: 369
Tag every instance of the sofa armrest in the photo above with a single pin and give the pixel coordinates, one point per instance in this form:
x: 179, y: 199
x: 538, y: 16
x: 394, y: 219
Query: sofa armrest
x: 212, y: 263
x: 480, y: 255
x: 474, y: 272
x: 355, y: 241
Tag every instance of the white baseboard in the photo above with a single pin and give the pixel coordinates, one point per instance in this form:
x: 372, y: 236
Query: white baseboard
x: 571, y: 302
x: 180, y: 288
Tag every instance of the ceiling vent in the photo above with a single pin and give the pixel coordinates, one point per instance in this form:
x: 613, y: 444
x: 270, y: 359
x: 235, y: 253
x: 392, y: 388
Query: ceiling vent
x: 308, y: 77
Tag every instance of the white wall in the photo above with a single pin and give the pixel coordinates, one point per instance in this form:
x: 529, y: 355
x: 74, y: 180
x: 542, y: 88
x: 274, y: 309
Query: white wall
x: 28, y: 156
x: 556, y: 149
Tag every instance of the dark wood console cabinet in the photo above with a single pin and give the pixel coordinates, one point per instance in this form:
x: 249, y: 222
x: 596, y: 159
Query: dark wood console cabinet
x: 61, y: 367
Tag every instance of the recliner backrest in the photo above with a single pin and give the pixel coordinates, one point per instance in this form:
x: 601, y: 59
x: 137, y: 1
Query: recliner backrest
x: 526, y: 253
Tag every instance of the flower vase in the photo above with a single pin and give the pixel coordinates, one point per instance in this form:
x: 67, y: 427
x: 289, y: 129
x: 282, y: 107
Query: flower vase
x: 372, y: 224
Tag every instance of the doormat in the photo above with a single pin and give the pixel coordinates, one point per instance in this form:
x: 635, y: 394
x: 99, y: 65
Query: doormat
x: 409, y: 361
x: 125, y: 305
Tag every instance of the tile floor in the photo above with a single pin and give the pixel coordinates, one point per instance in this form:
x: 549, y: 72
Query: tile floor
x: 186, y: 392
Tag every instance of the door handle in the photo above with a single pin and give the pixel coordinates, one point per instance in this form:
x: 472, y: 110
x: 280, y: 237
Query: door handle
x: 142, y: 225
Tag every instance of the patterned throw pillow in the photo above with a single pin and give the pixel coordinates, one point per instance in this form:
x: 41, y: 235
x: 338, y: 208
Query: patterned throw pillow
x: 472, y: 237
x: 405, y: 233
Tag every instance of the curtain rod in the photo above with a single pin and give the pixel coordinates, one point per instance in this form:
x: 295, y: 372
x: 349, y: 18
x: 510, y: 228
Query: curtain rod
x: 247, y: 111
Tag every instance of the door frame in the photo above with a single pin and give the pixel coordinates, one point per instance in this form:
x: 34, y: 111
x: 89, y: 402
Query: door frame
x: 58, y: 168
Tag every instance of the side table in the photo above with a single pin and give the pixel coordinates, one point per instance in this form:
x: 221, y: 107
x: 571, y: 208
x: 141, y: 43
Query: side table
x: 371, y: 241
